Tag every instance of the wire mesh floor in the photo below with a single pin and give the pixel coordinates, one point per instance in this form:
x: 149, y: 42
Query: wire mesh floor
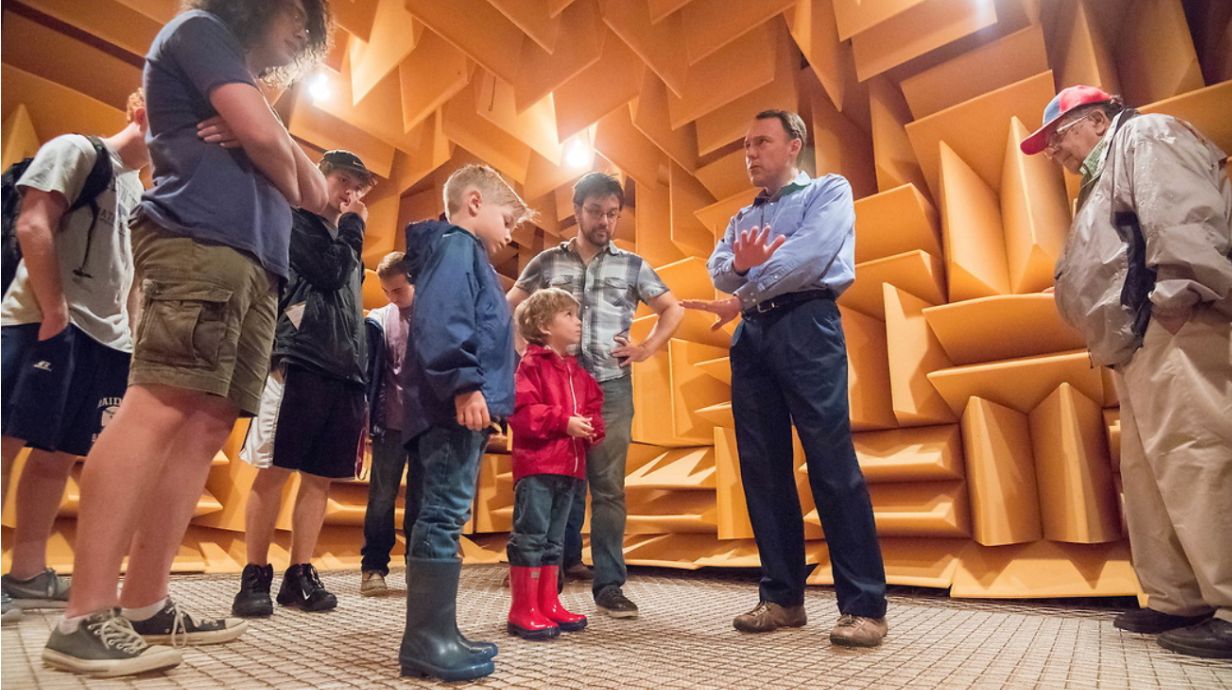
x: 683, y: 639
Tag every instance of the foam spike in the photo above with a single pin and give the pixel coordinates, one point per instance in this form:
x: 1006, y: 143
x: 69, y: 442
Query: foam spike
x: 919, y: 454
x: 913, y: 352
x: 1005, y: 505
x: 1074, y: 473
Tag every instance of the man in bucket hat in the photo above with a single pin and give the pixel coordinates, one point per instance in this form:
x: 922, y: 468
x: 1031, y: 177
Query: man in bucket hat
x: 1146, y: 277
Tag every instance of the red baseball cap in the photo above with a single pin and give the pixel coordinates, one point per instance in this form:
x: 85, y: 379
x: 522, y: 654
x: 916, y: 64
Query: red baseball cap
x: 1070, y: 97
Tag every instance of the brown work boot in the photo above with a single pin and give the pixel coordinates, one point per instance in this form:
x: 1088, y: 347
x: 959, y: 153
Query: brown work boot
x: 769, y: 616
x: 858, y: 631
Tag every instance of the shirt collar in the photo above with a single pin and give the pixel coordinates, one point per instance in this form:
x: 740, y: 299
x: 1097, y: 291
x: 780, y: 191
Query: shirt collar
x: 800, y: 181
x: 570, y: 246
x: 1093, y: 165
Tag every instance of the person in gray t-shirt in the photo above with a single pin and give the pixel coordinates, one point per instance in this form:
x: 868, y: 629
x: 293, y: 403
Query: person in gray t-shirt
x: 210, y: 247
x: 65, y: 329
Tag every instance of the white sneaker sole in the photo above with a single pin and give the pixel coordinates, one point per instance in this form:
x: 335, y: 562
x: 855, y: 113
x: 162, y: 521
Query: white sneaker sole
x: 152, y: 659
x: 618, y: 614
x: 200, y: 638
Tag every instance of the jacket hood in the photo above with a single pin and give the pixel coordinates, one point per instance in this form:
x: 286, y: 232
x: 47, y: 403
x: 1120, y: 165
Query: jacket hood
x: 421, y: 237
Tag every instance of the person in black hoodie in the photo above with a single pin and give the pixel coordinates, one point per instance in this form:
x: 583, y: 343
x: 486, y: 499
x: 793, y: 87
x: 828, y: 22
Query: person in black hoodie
x: 459, y: 381
x: 313, y: 409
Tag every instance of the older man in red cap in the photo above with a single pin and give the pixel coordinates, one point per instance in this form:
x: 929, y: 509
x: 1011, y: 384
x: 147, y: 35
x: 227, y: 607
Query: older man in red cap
x: 1146, y: 276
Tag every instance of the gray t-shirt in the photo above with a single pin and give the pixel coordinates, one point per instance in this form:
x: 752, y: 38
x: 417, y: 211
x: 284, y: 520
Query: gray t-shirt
x: 202, y: 190
x: 96, y: 290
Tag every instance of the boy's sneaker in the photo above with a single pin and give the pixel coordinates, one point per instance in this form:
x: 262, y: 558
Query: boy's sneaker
x: 614, y: 603
x: 173, y: 626
x: 302, y: 589
x: 47, y: 590
x: 372, y: 584
x: 11, y: 612
x: 253, y: 599
x: 105, y: 644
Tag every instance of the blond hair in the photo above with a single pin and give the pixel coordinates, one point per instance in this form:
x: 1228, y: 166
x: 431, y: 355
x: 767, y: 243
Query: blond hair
x: 393, y: 265
x: 136, y: 100
x: 490, y: 184
x: 539, y: 309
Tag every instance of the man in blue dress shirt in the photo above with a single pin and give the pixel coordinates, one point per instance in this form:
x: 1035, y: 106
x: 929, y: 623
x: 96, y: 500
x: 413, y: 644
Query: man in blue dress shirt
x: 785, y: 259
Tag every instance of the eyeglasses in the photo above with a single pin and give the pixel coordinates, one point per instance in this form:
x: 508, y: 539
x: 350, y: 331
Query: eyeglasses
x: 596, y: 213
x: 1054, y: 139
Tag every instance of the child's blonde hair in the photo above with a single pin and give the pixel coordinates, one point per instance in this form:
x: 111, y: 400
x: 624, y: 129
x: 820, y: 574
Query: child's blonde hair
x: 539, y: 309
x: 490, y: 184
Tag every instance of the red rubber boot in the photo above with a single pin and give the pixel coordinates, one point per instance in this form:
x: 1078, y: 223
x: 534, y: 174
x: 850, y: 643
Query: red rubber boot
x: 549, y: 602
x: 525, y: 618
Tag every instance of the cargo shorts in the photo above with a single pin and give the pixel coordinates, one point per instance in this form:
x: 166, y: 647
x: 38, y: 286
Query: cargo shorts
x: 207, y: 318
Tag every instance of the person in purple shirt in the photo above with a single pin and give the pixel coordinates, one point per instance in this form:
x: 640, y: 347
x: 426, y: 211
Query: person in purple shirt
x: 389, y: 329
x: 210, y: 246
x: 785, y: 258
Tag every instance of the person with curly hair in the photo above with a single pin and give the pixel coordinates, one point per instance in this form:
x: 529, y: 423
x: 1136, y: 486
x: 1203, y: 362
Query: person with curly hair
x: 210, y: 246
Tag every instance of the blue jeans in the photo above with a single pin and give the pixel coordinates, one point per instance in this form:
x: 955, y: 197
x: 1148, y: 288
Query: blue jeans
x: 541, y: 507
x: 389, y: 459
x: 791, y: 364
x: 605, y: 472
x: 450, y: 457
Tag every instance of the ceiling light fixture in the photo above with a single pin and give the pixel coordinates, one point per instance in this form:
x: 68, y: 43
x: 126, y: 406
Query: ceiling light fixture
x: 319, y: 88
x: 578, y: 153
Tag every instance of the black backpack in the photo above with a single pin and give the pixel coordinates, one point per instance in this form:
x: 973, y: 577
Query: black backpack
x: 97, y: 181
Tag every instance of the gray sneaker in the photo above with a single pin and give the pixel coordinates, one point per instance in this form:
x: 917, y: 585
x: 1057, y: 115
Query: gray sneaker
x: 106, y: 645
x: 614, y: 603
x: 173, y: 626
x: 47, y: 590
x: 12, y: 614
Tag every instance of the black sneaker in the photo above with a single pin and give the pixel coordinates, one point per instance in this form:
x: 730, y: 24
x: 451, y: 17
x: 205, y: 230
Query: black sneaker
x: 176, y: 628
x: 253, y: 599
x: 613, y: 602
x: 302, y: 589
x: 103, y: 645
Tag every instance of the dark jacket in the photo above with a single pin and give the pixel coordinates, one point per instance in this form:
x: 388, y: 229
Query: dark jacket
x: 550, y: 390
x: 325, y: 277
x: 461, y: 330
x: 375, y: 332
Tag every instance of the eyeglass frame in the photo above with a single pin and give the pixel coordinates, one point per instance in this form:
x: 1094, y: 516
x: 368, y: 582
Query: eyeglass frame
x: 1053, y: 142
x: 611, y: 216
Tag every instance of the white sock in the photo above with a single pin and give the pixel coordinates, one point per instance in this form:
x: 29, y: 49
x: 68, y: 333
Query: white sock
x: 69, y: 624
x: 144, y: 612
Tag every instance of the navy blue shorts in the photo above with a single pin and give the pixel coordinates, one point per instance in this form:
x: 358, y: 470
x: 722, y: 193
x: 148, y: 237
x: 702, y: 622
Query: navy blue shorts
x: 58, y: 394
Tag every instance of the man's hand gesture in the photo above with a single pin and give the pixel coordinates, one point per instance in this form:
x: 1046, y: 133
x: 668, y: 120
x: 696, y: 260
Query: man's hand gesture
x: 725, y: 309
x: 754, y: 248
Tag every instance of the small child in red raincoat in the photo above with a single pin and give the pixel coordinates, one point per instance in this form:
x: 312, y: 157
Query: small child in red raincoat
x: 557, y: 417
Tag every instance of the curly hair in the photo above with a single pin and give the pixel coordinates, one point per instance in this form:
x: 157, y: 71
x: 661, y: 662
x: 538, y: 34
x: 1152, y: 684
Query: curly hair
x: 534, y: 315
x: 249, y: 20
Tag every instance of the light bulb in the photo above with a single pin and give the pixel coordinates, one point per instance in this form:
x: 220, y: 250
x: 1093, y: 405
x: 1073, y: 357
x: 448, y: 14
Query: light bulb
x: 319, y: 88
x: 578, y: 153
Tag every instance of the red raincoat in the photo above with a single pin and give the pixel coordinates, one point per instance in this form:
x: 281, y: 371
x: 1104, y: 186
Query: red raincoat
x: 550, y: 390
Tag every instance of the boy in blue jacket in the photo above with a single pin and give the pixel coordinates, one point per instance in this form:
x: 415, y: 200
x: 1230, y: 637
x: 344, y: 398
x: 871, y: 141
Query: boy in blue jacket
x: 459, y: 381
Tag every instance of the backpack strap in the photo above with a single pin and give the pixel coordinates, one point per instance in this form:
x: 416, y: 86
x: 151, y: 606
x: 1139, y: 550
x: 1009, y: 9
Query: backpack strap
x: 99, y: 178
x: 96, y: 183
